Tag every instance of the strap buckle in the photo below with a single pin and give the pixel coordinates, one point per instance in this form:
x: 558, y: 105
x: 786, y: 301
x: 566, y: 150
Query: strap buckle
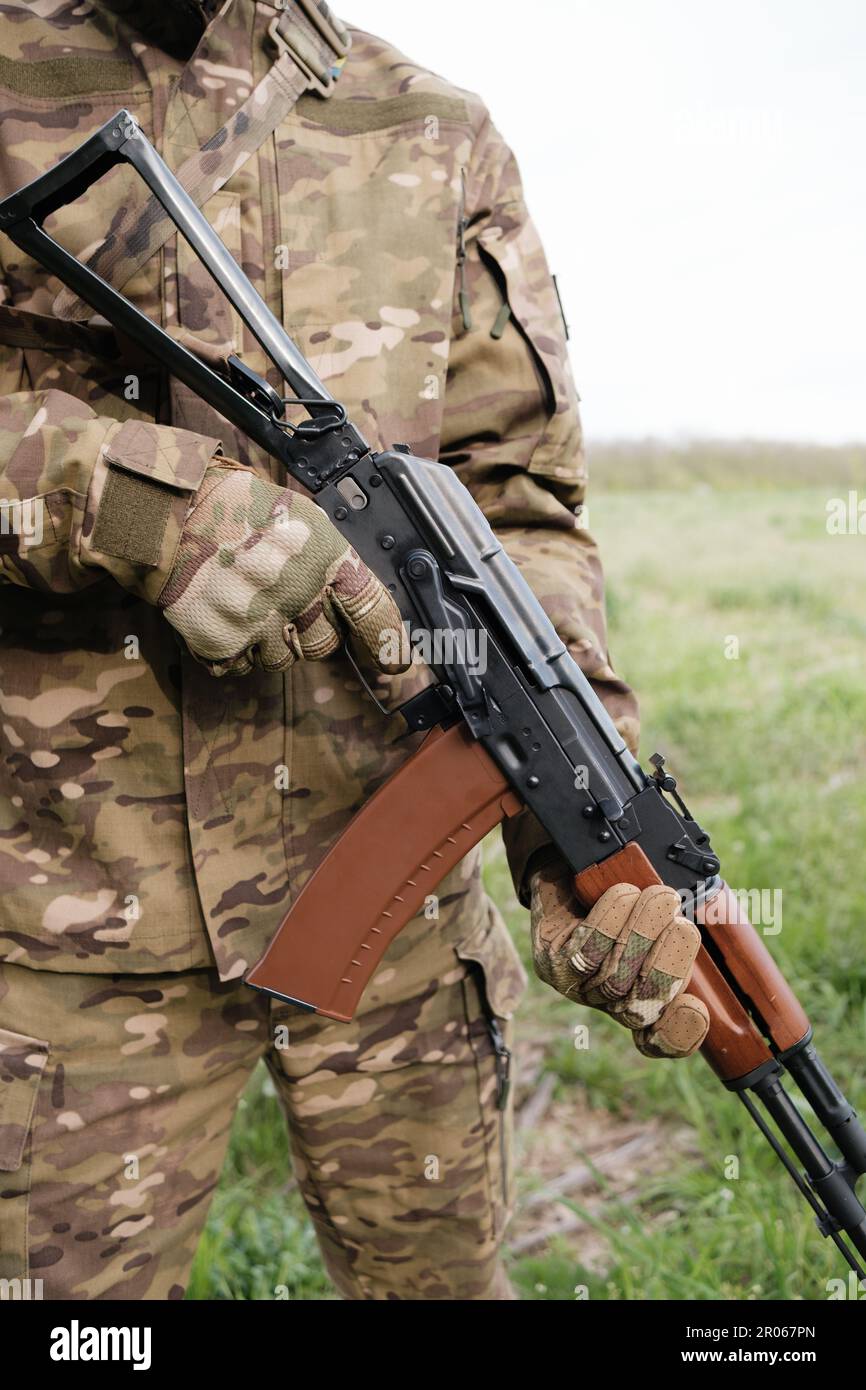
x: 332, y: 30
x: 321, y: 74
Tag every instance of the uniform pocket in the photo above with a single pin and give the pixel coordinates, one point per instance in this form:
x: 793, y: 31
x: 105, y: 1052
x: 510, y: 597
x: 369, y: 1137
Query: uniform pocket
x: 367, y: 262
x: 512, y: 252
x: 22, y: 1062
x: 490, y: 946
x: 493, y: 989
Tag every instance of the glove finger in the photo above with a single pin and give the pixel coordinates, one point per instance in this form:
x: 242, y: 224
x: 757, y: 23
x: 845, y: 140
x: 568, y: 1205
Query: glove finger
x: 238, y: 665
x: 651, y: 915
x: 316, y: 631
x: 662, y: 975
x: 370, y: 613
x: 552, y: 888
x: 678, y: 1032
x: 594, y: 939
x: 277, y: 649
x: 552, y: 918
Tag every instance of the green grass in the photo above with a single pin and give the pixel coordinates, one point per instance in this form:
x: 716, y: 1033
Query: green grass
x: 258, y: 1243
x: 771, y: 752
x: 725, y: 465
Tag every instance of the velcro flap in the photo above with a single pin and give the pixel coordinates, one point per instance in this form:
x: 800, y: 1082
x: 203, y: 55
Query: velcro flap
x: 164, y: 454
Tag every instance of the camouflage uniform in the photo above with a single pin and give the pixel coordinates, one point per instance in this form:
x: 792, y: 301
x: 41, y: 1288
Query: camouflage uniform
x: 154, y: 821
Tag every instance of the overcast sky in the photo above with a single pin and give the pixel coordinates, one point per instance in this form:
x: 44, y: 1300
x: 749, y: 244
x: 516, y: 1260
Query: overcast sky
x: 696, y: 169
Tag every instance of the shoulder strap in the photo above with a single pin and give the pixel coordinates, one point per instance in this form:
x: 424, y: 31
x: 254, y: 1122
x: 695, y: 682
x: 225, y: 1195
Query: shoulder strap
x: 312, y: 46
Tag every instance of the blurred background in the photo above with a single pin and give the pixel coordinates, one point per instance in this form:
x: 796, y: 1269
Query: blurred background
x: 696, y: 172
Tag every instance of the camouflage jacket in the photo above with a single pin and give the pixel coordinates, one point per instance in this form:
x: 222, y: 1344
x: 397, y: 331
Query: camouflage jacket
x: 152, y: 817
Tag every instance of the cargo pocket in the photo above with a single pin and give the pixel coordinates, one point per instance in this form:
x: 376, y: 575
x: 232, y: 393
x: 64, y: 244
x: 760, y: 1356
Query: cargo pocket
x: 493, y: 987
x: 511, y: 251
x: 22, y: 1062
x: 490, y: 947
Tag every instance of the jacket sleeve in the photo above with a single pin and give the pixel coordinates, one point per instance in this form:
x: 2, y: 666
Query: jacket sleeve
x: 512, y: 432
x: 82, y: 494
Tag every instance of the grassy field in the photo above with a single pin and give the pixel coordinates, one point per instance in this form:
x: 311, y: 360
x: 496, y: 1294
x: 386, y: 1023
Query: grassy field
x: 727, y: 465
x: 742, y: 624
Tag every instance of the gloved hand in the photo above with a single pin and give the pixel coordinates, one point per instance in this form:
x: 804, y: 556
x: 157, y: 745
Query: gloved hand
x: 262, y: 575
x: 631, y: 957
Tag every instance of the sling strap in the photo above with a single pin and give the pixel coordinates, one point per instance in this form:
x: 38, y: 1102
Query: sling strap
x: 312, y: 46
x: 19, y: 328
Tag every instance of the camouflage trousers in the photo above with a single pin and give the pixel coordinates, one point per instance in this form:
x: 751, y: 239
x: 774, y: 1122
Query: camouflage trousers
x: 117, y: 1094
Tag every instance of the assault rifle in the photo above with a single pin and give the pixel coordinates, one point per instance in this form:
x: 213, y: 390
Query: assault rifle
x: 528, y: 731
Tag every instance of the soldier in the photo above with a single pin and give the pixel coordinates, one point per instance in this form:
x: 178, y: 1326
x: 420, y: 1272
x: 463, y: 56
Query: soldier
x: 182, y: 739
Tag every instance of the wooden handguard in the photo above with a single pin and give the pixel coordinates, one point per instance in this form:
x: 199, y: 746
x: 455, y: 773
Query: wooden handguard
x: 733, y: 1046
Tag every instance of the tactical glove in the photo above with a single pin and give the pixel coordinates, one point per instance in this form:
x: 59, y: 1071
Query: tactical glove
x: 262, y: 575
x: 631, y: 957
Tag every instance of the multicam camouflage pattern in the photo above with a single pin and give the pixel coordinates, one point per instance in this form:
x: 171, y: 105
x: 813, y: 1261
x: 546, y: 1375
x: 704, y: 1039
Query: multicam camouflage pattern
x: 397, y: 1137
x: 60, y: 455
x: 22, y: 1062
x: 262, y: 575
x: 630, y: 958
x: 367, y: 281
x: 153, y: 819
x: 142, y: 226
